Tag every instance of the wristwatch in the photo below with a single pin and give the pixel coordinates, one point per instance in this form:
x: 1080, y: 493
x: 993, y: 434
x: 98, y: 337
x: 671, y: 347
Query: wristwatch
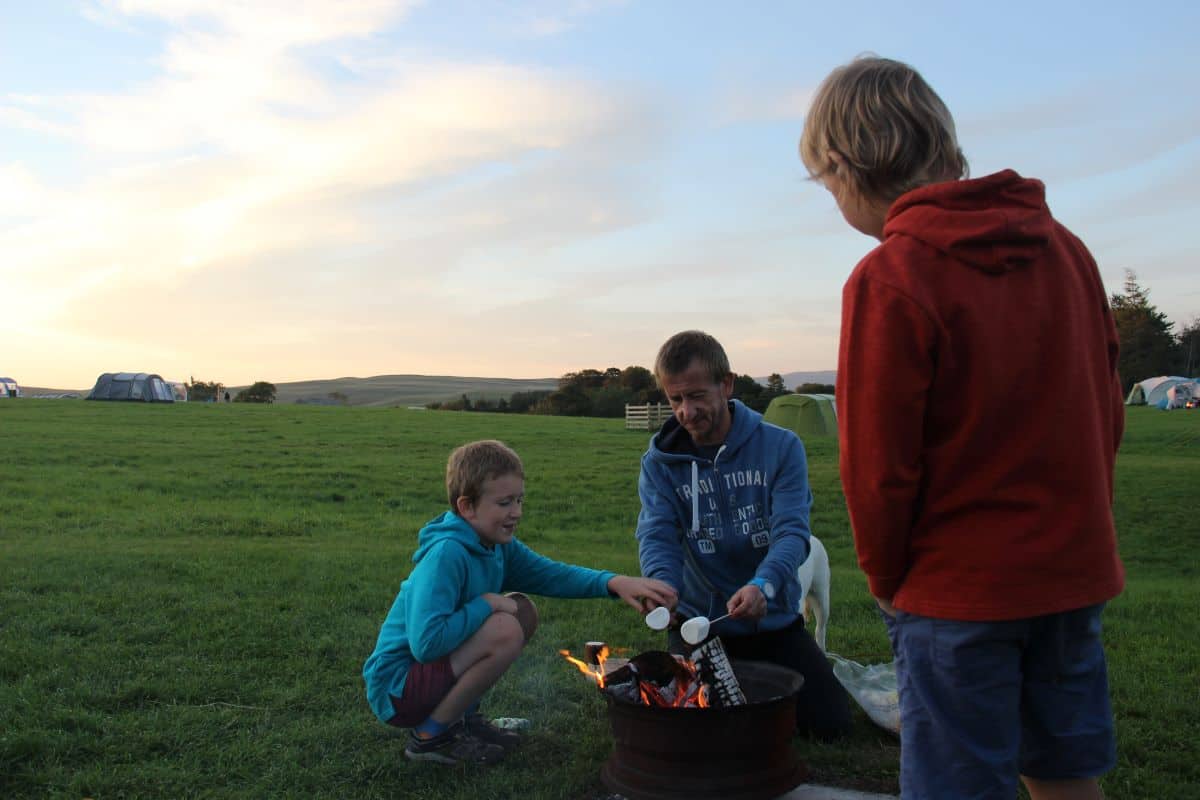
x: 764, y: 586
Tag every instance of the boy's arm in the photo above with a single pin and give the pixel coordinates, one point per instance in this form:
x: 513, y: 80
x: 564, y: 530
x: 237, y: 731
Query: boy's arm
x: 528, y: 571
x: 882, y: 426
x: 791, y: 500
x: 534, y: 573
x: 660, y: 545
x: 435, y: 621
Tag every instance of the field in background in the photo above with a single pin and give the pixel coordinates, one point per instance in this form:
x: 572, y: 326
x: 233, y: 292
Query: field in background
x: 189, y: 591
x: 385, y: 391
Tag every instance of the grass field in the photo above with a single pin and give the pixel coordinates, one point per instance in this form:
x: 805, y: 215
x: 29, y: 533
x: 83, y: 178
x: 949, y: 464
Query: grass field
x: 187, y: 594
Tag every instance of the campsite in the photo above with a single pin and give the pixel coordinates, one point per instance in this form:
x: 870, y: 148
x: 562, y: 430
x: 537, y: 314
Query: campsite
x: 190, y: 591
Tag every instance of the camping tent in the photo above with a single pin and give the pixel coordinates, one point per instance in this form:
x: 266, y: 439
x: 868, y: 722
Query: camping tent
x: 9, y: 388
x: 806, y: 414
x: 1153, y: 391
x: 141, y: 386
x: 1179, y: 394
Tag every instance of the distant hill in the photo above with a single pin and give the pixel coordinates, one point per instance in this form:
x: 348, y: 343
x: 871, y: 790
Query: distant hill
x: 38, y: 391
x: 417, y: 390
x: 793, y: 379
x: 404, y: 390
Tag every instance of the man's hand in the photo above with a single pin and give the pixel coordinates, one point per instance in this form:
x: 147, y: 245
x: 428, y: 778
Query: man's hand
x: 748, y: 603
x: 886, y: 606
x: 643, y: 593
x: 499, y: 602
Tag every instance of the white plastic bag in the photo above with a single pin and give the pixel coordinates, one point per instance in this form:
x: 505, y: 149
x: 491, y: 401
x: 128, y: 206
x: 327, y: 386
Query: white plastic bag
x: 873, y: 687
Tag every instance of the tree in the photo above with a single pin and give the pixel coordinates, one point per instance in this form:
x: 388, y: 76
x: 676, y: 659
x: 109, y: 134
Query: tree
x: 750, y: 392
x: 637, y: 379
x: 775, y: 385
x: 201, y: 392
x: 815, y: 388
x: 1189, y: 350
x: 258, y: 392
x: 1147, y: 345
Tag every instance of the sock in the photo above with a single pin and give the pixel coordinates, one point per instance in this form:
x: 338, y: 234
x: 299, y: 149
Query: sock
x: 430, y: 728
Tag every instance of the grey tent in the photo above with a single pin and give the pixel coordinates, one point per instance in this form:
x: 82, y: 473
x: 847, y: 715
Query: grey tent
x: 140, y: 386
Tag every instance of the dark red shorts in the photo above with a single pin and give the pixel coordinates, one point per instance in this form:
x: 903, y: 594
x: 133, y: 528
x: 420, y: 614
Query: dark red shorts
x: 425, y: 687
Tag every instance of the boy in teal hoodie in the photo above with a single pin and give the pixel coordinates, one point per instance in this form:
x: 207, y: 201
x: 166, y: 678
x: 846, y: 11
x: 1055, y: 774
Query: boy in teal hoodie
x: 451, y: 633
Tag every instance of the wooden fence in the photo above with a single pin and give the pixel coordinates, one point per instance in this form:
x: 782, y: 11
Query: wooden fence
x: 647, y: 417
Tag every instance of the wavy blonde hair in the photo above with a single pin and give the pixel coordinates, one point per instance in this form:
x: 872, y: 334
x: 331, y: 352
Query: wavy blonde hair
x: 889, y: 126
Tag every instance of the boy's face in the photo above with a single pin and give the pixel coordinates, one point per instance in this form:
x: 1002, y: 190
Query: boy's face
x: 861, y: 214
x: 495, y: 515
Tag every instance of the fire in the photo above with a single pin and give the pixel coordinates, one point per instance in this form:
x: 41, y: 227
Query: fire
x: 595, y: 672
x: 683, y: 692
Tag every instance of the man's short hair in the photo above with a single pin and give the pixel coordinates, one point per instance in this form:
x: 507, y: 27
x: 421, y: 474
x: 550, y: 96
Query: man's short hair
x: 678, y: 353
x: 474, y: 463
x: 892, y: 130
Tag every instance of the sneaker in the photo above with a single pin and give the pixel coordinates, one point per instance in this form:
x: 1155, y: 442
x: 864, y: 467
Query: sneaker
x: 454, y: 746
x: 478, y: 726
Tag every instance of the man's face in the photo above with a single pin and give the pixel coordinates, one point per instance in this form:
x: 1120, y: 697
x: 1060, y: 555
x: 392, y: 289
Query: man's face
x: 495, y: 515
x: 700, y: 404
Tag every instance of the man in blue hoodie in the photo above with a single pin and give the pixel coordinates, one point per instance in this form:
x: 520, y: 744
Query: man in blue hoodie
x: 451, y: 634
x: 724, y: 521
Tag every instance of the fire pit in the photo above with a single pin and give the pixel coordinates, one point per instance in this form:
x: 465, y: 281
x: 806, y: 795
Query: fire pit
x: 737, y: 748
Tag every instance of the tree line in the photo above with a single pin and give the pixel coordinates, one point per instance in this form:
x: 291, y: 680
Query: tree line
x: 1149, y: 347
x: 604, y: 393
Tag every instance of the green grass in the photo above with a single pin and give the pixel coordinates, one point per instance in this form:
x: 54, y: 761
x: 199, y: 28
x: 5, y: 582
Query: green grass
x: 187, y: 595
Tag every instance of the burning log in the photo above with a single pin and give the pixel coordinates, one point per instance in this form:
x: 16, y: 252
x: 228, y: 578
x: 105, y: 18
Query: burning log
x: 661, y: 680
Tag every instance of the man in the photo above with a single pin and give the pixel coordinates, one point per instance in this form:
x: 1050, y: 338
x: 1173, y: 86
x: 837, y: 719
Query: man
x: 724, y: 520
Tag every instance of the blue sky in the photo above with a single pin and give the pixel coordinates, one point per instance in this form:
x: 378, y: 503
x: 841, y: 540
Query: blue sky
x: 294, y: 190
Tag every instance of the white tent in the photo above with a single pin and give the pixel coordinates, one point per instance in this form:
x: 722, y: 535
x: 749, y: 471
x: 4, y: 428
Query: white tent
x: 1179, y: 394
x: 9, y: 388
x: 1153, y: 391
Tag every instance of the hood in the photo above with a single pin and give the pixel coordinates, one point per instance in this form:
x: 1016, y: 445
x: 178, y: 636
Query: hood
x: 673, y: 442
x: 995, y: 224
x: 448, y: 526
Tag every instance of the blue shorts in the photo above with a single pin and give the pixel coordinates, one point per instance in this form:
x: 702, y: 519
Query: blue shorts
x: 981, y: 702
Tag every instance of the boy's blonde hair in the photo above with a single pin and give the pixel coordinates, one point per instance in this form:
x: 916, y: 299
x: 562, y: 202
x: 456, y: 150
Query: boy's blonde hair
x: 678, y: 352
x: 473, y: 463
x: 889, y: 126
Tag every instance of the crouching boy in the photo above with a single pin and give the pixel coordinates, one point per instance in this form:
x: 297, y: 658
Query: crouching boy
x: 451, y: 633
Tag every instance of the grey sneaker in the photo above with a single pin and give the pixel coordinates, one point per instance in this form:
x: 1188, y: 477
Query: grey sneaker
x: 478, y: 726
x: 454, y: 746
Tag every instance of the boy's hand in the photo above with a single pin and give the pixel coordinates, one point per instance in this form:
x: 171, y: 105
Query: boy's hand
x: 643, y: 593
x: 499, y: 602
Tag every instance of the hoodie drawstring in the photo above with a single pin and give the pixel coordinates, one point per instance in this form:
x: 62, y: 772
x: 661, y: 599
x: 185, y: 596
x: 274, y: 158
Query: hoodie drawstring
x: 695, y: 498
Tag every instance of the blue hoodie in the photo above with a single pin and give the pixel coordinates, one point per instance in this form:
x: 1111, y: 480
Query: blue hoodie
x: 709, y: 527
x: 440, y: 605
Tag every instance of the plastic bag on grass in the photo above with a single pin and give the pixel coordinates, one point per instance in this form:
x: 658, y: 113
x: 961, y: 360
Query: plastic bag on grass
x: 873, y: 687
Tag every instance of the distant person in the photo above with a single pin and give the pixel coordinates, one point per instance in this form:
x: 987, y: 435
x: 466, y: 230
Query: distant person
x: 981, y: 508
x: 227, y: 397
x: 724, y: 522
x: 450, y: 634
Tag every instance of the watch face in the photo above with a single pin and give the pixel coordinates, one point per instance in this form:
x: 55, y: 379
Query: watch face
x: 768, y: 590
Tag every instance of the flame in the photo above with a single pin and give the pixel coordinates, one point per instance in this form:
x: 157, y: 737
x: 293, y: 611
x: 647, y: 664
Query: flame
x: 689, y: 693
x: 596, y: 673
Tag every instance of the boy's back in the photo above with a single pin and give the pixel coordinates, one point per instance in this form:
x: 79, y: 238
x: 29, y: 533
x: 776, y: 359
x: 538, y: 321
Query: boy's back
x: 990, y: 329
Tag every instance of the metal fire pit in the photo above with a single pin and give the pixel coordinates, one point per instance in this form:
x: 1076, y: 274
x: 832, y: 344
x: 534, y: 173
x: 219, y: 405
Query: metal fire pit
x: 736, y: 753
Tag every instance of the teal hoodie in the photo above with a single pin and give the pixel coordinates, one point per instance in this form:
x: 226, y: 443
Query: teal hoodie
x: 440, y: 604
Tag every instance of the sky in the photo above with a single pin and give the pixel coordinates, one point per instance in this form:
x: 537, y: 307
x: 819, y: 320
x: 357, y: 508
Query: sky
x: 302, y: 189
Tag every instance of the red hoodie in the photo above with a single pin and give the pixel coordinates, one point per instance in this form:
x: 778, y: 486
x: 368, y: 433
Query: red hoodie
x: 979, y: 407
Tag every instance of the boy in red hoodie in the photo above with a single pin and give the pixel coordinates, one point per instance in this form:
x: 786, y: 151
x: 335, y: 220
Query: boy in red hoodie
x: 979, y: 484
